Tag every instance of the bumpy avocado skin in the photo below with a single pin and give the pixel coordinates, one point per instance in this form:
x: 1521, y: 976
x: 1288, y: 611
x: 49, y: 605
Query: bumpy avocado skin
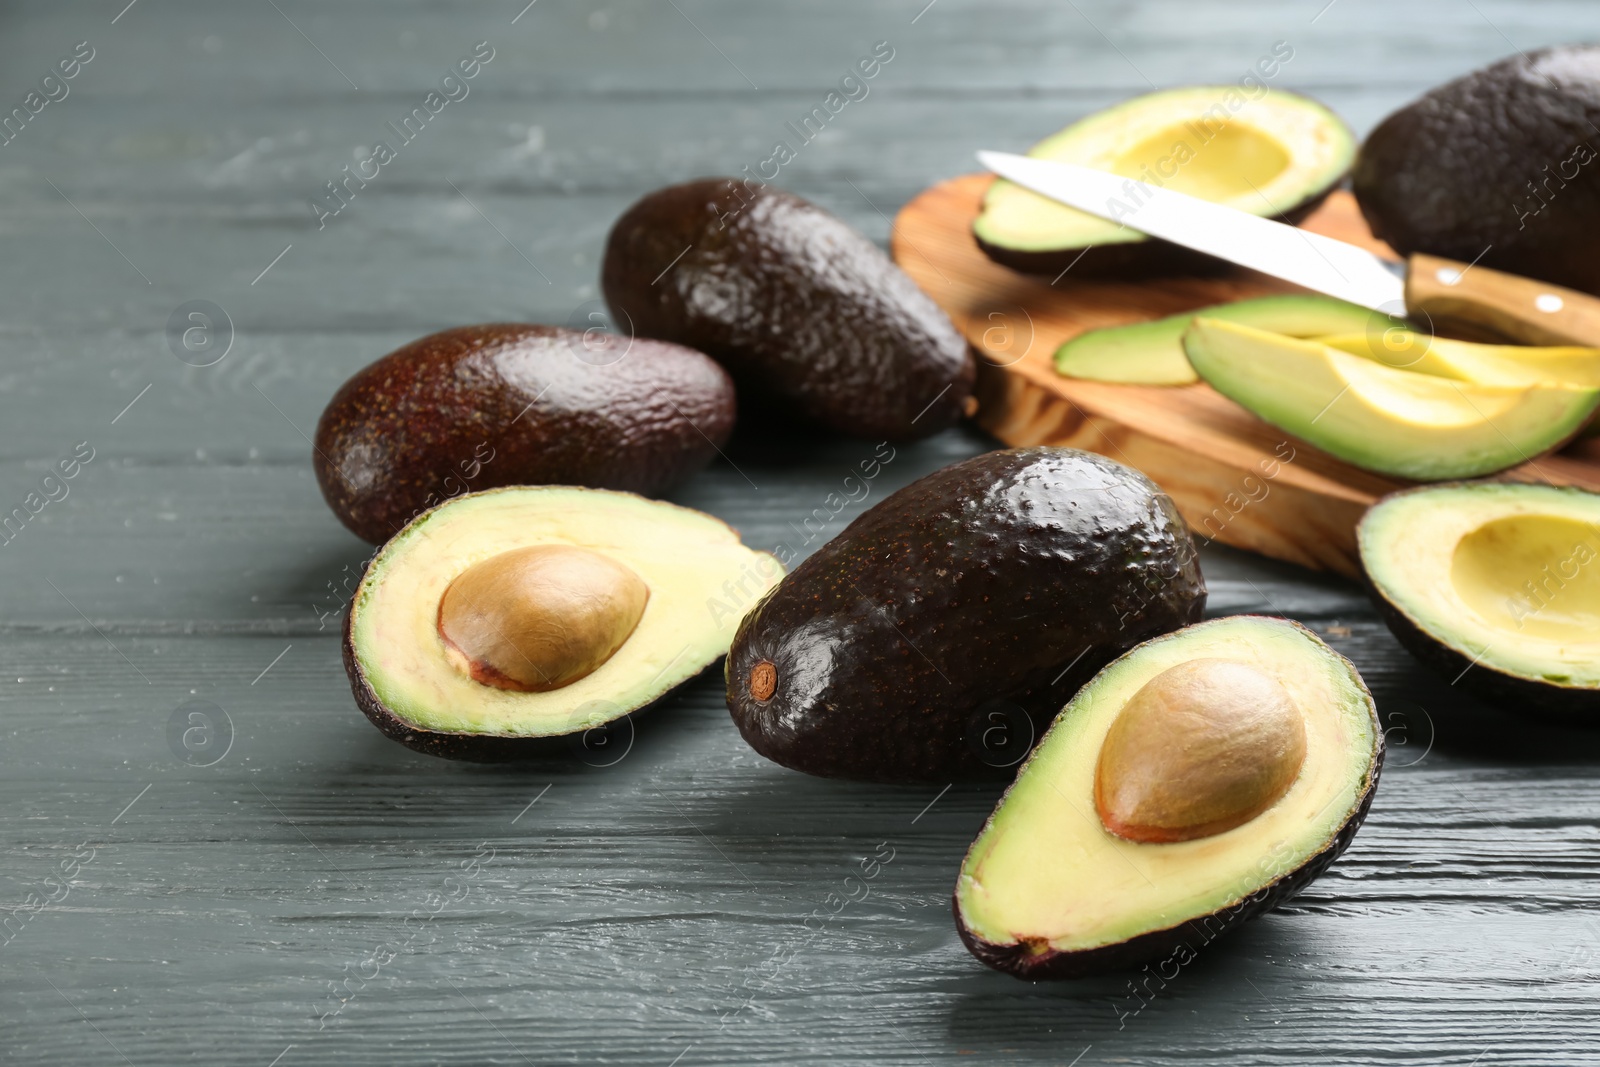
x: 809, y: 316
x: 1196, y: 934
x: 1500, y: 163
x: 506, y: 404
x: 1000, y: 584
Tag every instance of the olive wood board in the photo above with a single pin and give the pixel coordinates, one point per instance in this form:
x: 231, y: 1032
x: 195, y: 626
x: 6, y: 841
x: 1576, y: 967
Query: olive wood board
x: 1236, y: 479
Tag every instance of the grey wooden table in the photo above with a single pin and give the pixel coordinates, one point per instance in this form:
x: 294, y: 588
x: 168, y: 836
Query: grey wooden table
x: 282, y: 885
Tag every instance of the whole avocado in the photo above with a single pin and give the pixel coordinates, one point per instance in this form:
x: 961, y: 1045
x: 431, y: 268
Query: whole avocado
x: 809, y: 316
x: 938, y: 634
x: 1499, y: 164
x: 479, y: 407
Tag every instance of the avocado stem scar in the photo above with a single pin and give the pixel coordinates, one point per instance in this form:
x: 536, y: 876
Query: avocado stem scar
x: 763, y: 680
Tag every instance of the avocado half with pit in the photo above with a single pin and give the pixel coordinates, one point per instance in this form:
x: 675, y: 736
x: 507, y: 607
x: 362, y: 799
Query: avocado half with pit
x: 1274, y: 154
x: 1496, y: 584
x: 1203, y: 778
x: 503, y: 619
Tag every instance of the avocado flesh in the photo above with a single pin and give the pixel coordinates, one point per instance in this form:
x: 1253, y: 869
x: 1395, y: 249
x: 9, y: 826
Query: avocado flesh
x: 1498, y: 578
x: 1046, y: 891
x: 1151, y: 353
x: 402, y: 666
x: 1469, y: 362
x: 1276, y: 155
x: 1381, y: 419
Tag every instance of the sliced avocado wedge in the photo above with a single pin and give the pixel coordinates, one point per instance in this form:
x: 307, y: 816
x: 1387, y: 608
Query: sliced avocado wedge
x: 1048, y: 890
x: 1151, y: 353
x: 505, y: 618
x: 1275, y: 154
x: 1381, y: 419
x: 1497, y: 583
x: 1469, y: 362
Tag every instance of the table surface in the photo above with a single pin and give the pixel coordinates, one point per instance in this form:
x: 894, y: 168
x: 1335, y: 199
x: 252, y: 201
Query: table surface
x: 317, y: 893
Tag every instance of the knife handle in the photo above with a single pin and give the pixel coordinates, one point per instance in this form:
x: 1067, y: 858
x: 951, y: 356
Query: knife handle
x: 1507, y: 305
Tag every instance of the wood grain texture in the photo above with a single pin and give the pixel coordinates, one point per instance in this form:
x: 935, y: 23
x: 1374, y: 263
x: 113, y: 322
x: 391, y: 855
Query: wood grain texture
x: 657, y: 909
x: 1236, y: 478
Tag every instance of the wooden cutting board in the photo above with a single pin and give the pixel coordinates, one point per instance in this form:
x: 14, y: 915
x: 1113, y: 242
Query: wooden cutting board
x: 1236, y: 479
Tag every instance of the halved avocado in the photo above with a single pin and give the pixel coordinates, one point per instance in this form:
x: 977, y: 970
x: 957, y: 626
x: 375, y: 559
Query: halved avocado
x: 1057, y: 886
x: 1379, y: 418
x: 1151, y: 353
x: 502, y: 619
x: 1275, y: 154
x: 1498, y: 582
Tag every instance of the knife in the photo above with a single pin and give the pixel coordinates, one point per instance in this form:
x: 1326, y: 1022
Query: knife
x: 1470, y: 298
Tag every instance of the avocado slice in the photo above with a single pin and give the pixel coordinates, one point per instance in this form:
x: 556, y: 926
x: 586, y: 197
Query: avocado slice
x: 1381, y: 419
x: 505, y: 618
x: 1151, y: 353
x: 1497, y: 167
x: 510, y: 403
x: 939, y: 633
x: 1275, y: 154
x: 813, y: 321
x: 1049, y: 890
x: 1470, y: 362
x: 1497, y: 577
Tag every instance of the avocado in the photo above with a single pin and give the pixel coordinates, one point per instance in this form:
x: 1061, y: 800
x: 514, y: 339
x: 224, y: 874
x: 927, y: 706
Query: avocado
x: 938, y: 634
x: 1151, y: 353
x: 815, y: 323
x: 503, y: 619
x: 1203, y: 778
x: 1497, y: 168
x: 1497, y: 585
x: 1379, y: 418
x: 1467, y: 361
x: 1269, y: 153
x: 503, y: 404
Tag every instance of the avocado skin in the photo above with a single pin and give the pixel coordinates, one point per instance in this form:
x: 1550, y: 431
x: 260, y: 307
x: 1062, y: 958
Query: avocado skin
x: 1015, y: 576
x: 1135, y: 260
x: 1196, y: 933
x: 407, y: 431
x: 1449, y: 174
x: 809, y: 316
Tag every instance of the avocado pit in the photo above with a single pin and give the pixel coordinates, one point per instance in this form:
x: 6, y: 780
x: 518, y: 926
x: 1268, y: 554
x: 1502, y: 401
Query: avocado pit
x: 1201, y: 748
x: 539, y: 618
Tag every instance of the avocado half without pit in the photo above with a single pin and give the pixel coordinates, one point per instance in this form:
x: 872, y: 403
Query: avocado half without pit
x: 1497, y: 585
x: 1202, y: 778
x: 1273, y: 153
x: 502, y: 619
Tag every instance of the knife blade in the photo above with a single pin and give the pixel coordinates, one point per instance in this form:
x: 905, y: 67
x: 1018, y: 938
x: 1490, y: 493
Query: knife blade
x: 1437, y: 290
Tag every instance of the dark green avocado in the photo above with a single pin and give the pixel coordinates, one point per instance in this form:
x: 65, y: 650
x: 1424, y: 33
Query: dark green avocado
x: 1499, y: 167
x: 1495, y: 585
x: 512, y: 404
x: 1202, y: 779
x: 810, y: 317
x: 939, y: 633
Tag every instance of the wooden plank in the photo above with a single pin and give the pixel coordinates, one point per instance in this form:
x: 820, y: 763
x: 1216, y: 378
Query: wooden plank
x: 1211, y: 455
